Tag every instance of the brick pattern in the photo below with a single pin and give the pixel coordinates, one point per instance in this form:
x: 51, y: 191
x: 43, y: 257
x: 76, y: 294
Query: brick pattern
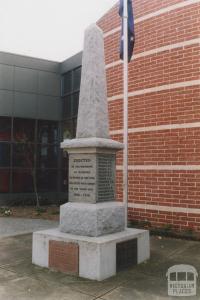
x: 111, y: 20
x: 176, y: 106
x: 159, y: 31
x: 177, y: 65
x: 166, y: 188
x: 178, y: 221
x: 169, y: 147
x: 163, y: 147
x: 143, y: 7
x: 181, y: 147
x: 64, y: 257
x: 168, y: 28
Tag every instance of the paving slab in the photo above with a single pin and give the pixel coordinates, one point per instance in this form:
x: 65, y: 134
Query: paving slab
x: 20, y: 280
x: 95, y: 288
x: 143, y: 287
x: 13, y: 226
x: 25, y: 288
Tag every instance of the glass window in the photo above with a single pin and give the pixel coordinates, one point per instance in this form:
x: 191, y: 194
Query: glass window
x: 47, y: 132
x: 71, y: 79
x: 47, y: 156
x: 77, y: 79
x: 4, y: 155
x: 68, y: 132
x: 23, y: 155
x: 22, y: 181
x: 23, y: 130
x: 67, y: 83
x: 4, y: 181
x: 64, y: 181
x: 25, y: 152
x: 74, y: 126
x: 47, y: 180
x: 65, y: 159
x: 75, y: 102
x: 5, y: 129
x: 67, y: 109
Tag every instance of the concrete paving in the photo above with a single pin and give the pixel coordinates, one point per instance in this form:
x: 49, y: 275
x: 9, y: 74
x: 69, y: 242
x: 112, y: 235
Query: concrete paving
x: 20, y: 280
x: 13, y: 226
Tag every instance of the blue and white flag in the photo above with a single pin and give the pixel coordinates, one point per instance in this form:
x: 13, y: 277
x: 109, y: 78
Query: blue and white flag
x: 131, y: 34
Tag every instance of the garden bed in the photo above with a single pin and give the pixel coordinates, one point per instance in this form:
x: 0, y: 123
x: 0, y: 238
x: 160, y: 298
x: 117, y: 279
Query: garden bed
x: 31, y: 212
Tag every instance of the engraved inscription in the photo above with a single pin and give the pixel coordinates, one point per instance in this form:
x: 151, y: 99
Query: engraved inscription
x: 106, y: 177
x: 82, y: 183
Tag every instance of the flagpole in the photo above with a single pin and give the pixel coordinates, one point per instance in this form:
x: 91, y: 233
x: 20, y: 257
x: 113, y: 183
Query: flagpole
x: 125, y: 138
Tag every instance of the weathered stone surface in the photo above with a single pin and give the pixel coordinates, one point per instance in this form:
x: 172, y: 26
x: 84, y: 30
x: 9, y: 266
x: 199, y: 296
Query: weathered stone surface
x: 97, y: 255
x: 93, y: 111
x: 91, y: 177
x: 98, y: 226
x: 92, y: 219
x: 82, y: 178
x: 92, y: 142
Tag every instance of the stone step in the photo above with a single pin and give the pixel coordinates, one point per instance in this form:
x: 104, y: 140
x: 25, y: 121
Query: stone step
x: 95, y: 258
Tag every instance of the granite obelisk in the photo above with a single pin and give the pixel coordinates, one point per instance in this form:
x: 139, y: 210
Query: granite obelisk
x: 92, y: 209
x: 91, y: 241
x: 93, y: 108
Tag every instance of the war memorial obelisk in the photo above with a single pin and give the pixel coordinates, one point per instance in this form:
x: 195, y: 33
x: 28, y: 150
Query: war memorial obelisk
x: 91, y: 241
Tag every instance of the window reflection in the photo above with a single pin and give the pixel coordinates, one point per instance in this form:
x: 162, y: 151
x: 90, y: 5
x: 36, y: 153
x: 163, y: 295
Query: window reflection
x: 75, y: 125
x: 47, y: 156
x: 75, y: 103
x: 68, y: 130
x: 22, y: 181
x: 65, y: 160
x: 67, y: 106
x: 71, y: 86
x: 47, y: 180
x: 4, y: 155
x: 4, y: 181
x: 47, y: 132
x: 67, y: 83
x: 77, y: 79
x: 25, y: 158
x: 23, y: 155
x: 5, y: 129
x: 65, y: 180
x: 23, y: 130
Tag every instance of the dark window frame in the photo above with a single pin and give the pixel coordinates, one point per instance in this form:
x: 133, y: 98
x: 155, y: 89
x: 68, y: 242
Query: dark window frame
x: 14, y: 168
x: 69, y: 117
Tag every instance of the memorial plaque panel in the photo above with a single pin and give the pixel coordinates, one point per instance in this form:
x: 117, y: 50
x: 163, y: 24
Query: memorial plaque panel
x: 126, y: 254
x: 106, y: 177
x: 64, y: 257
x: 82, y: 178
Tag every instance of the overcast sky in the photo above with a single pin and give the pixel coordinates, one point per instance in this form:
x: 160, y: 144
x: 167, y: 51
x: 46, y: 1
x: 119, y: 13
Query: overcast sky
x: 50, y: 29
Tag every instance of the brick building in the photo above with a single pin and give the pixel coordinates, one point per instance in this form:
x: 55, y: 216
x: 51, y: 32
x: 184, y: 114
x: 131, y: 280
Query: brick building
x: 164, y: 115
x: 164, y: 110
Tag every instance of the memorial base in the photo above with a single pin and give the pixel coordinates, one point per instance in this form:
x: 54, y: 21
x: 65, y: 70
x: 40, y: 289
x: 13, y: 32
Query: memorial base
x: 95, y: 258
x: 95, y: 219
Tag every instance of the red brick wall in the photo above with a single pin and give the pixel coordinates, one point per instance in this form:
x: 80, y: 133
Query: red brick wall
x: 164, y: 110
x: 165, y: 29
x: 167, y: 67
